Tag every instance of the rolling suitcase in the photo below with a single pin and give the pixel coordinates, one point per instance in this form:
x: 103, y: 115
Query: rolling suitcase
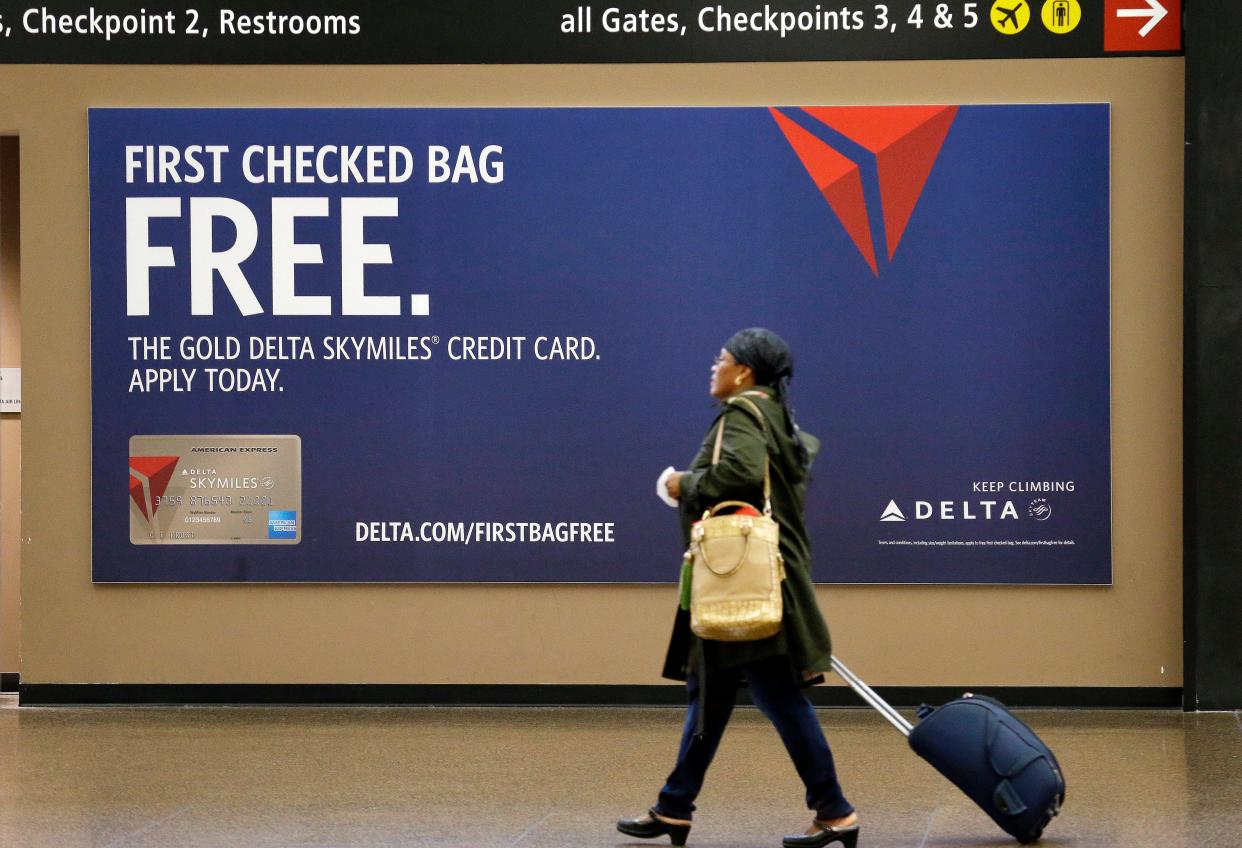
x: 986, y: 752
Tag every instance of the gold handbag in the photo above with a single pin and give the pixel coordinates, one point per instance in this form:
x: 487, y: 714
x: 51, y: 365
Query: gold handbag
x: 736, y: 566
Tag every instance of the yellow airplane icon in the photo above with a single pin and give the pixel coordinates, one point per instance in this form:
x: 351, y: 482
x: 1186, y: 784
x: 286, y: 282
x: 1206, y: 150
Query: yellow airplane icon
x: 1010, y: 17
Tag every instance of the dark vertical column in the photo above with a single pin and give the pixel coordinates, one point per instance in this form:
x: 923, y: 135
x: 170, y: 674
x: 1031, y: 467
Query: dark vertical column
x: 10, y: 422
x: 1213, y: 354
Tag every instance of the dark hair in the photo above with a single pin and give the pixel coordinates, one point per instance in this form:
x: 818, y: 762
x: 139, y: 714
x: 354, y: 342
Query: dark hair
x: 769, y: 357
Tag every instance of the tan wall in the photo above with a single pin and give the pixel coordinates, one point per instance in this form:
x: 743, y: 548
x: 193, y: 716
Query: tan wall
x: 10, y: 422
x: 1126, y: 635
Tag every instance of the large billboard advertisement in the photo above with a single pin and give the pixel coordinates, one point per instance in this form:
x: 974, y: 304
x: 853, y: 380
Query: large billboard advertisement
x: 461, y: 344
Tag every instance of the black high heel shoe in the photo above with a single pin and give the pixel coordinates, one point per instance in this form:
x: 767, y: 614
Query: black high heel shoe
x: 651, y: 826
x: 821, y: 834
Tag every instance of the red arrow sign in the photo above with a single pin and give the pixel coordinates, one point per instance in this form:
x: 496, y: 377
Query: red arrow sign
x: 1134, y: 26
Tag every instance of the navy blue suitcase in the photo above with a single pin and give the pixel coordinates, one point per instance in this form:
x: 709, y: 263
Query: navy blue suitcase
x: 987, y: 752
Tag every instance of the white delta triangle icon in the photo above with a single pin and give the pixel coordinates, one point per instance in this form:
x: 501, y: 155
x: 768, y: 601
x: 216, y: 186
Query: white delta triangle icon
x: 892, y: 513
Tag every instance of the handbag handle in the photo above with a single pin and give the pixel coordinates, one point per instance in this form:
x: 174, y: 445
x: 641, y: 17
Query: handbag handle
x: 724, y: 505
x: 767, y: 476
x: 746, y: 531
x: 740, y: 562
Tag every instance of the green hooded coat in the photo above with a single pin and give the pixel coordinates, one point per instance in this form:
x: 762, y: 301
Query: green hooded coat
x: 739, y: 476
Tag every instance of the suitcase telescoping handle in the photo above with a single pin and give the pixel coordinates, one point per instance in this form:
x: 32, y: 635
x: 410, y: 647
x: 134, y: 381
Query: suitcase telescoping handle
x: 865, y: 692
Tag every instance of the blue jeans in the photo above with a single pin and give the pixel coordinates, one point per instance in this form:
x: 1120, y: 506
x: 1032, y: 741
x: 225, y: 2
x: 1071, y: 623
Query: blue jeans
x: 779, y: 696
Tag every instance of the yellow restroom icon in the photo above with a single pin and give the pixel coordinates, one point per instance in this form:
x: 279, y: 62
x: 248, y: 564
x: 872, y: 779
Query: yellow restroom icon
x: 1061, y: 16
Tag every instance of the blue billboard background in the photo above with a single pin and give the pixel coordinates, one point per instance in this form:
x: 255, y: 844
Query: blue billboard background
x: 978, y: 355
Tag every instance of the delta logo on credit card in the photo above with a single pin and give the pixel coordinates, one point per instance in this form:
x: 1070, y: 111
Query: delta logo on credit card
x: 214, y: 489
x: 870, y: 163
x: 148, y: 480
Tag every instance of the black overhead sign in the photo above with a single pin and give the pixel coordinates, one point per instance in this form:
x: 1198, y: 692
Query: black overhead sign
x: 540, y: 31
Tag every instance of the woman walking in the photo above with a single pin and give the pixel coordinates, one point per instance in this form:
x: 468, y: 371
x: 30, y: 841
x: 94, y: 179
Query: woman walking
x: 755, y: 365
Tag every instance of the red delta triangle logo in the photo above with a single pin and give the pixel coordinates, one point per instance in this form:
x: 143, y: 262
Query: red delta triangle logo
x: 148, y: 480
x: 904, y: 141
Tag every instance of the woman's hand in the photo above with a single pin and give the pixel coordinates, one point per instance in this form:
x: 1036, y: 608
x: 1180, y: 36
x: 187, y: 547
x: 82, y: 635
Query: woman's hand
x: 673, y: 485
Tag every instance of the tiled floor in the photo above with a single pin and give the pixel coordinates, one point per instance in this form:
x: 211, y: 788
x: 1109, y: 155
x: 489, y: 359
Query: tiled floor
x: 504, y: 778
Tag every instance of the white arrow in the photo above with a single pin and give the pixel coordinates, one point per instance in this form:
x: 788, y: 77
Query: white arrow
x: 1155, y: 13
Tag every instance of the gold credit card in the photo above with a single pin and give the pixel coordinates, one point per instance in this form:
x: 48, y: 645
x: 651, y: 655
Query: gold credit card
x: 215, y: 490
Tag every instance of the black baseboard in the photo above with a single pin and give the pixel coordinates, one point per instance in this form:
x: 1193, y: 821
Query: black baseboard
x: 9, y: 681
x: 491, y: 695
